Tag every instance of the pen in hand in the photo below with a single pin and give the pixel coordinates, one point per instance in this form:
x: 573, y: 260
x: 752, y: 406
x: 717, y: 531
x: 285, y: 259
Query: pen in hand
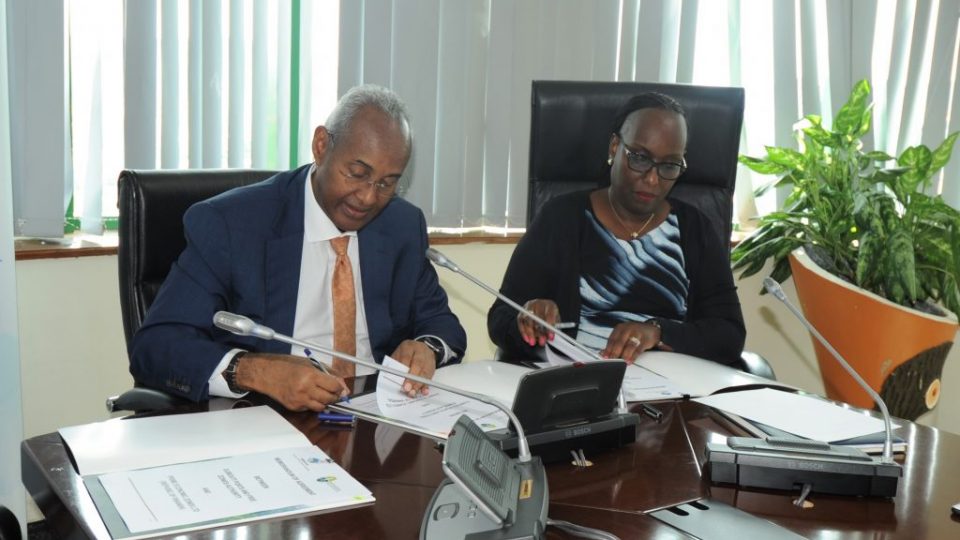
x: 345, y: 394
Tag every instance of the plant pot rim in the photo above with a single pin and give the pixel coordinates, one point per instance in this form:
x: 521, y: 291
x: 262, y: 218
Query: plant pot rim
x: 801, y: 257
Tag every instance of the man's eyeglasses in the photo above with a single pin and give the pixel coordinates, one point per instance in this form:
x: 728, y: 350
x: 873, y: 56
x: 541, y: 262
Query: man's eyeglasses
x: 357, y: 174
x: 641, y: 163
x: 385, y: 188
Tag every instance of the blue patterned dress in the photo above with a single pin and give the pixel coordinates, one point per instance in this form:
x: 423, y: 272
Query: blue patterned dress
x: 631, y: 280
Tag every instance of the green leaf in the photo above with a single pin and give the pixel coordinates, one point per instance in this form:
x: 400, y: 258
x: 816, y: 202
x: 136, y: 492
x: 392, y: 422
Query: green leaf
x: 877, y: 155
x: 869, y: 256
x: 916, y: 157
x: 865, y: 121
x: 787, y: 157
x: 849, y: 118
x: 942, y: 154
x: 900, y: 268
x: 761, y: 166
x: 820, y: 136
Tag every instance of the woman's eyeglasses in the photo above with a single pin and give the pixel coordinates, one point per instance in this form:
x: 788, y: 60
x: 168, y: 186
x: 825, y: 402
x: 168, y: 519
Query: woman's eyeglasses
x: 641, y: 163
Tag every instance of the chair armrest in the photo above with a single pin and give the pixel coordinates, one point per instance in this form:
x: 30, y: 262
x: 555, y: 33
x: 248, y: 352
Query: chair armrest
x: 9, y: 525
x: 755, y: 364
x: 142, y: 399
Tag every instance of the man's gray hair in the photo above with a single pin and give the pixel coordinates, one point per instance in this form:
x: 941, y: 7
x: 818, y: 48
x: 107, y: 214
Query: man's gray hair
x: 368, y: 95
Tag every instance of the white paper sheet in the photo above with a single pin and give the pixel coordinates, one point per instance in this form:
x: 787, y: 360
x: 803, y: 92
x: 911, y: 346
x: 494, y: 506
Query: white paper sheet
x: 433, y: 414
x: 137, y: 443
x: 639, y: 384
x: 232, y: 489
x: 801, y: 415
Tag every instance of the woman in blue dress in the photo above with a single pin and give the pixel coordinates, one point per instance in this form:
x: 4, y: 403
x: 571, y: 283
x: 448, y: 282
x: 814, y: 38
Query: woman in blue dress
x: 633, y: 268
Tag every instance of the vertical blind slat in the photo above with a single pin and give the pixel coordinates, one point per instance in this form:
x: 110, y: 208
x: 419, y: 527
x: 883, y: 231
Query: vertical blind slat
x: 170, y: 85
x: 284, y: 20
x: 212, y: 81
x: 236, y: 131
x: 195, y: 85
x: 140, y: 84
x: 259, y: 87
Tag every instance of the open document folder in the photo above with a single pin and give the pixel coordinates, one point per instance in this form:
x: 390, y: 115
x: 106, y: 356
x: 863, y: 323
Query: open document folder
x: 639, y: 383
x: 432, y: 415
x: 170, y: 474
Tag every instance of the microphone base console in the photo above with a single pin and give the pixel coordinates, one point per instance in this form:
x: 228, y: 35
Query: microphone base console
x: 553, y: 445
x: 836, y: 470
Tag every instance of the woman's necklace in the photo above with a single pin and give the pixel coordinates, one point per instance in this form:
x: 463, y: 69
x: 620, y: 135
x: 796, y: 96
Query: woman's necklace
x: 633, y: 234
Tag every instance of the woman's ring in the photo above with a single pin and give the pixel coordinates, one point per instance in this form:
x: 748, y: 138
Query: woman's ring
x: 635, y: 340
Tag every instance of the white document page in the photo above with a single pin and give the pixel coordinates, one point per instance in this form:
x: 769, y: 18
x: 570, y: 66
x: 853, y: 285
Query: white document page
x: 639, y: 384
x: 801, y: 415
x: 232, y: 489
x: 137, y: 443
x: 433, y: 414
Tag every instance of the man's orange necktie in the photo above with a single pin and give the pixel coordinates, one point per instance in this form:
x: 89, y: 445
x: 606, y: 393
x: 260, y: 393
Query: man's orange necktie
x: 344, y: 308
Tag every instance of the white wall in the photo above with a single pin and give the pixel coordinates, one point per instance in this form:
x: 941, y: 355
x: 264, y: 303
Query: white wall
x: 73, y: 354
x: 11, y: 406
x: 71, y: 341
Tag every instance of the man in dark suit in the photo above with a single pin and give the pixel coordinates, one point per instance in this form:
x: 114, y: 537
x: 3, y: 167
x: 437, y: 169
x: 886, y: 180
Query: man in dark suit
x: 279, y: 252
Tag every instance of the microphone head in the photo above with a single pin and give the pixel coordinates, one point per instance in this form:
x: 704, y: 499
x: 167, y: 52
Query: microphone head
x: 440, y: 259
x: 240, y: 325
x: 233, y: 323
x: 773, y: 288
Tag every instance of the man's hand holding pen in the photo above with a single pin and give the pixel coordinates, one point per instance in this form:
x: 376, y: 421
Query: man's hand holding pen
x: 295, y: 382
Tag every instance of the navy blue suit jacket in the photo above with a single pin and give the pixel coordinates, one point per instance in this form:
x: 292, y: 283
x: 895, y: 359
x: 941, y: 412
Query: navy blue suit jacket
x: 243, y: 255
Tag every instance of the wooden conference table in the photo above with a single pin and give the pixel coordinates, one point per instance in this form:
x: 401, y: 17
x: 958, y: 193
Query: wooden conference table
x: 662, y: 469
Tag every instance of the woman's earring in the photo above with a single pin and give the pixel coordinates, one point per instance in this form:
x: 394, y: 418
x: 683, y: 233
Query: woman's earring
x: 610, y: 160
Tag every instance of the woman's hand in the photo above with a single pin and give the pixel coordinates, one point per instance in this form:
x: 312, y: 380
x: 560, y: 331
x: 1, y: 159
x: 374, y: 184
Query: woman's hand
x: 532, y: 332
x: 629, y: 339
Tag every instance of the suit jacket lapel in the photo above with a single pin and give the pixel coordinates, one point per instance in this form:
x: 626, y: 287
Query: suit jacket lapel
x: 376, y: 268
x: 283, y: 260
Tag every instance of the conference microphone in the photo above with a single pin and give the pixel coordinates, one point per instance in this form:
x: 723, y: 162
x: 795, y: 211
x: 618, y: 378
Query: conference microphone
x: 441, y: 260
x: 513, y: 496
x: 788, y: 463
x: 774, y: 288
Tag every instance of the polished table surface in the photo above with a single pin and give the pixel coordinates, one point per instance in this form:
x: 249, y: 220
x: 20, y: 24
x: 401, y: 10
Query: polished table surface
x: 662, y: 469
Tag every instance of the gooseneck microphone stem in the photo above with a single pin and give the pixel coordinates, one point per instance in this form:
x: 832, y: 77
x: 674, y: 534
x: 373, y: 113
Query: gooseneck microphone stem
x: 774, y: 288
x: 441, y: 260
x: 243, y: 326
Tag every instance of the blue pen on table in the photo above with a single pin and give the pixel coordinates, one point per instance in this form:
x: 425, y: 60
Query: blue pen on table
x: 344, y: 396
x: 335, y: 418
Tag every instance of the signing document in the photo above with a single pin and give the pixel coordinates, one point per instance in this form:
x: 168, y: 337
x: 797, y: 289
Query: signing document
x: 168, y: 474
x: 639, y: 383
x: 432, y: 415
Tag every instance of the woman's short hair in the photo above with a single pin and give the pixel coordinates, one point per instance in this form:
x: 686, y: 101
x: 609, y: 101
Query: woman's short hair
x: 647, y: 100
x: 368, y: 95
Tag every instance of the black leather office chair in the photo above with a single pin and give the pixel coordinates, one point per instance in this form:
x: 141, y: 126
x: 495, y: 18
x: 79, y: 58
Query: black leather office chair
x: 9, y: 525
x: 152, y: 204
x: 570, y: 133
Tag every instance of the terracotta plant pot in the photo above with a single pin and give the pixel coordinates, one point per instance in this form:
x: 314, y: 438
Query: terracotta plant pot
x: 898, y: 351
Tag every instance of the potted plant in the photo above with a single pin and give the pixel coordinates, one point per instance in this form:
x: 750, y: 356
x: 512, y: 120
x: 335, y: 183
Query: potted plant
x: 867, y: 245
